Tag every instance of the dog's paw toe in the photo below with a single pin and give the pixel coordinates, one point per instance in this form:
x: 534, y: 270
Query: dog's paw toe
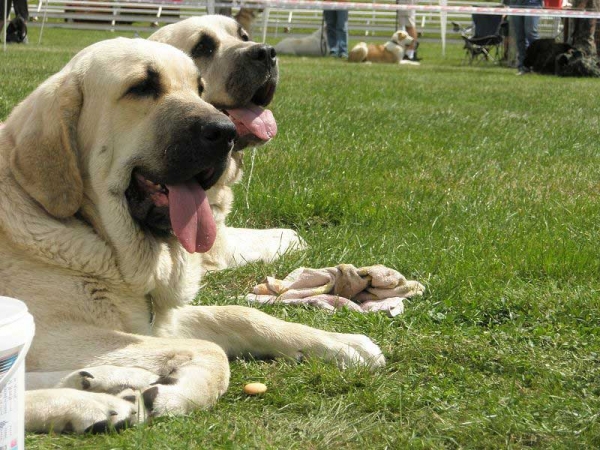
x: 108, y: 379
x: 108, y: 413
x: 351, y: 350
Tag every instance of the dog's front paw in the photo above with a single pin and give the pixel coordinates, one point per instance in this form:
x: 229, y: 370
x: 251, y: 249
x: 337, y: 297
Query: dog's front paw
x: 69, y: 410
x: 109, y: 379
x: 248, y: 245
x: 349, y: 350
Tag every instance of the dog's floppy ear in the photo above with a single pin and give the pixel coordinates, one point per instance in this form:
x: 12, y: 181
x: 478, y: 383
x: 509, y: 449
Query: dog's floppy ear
x: 44, y: 158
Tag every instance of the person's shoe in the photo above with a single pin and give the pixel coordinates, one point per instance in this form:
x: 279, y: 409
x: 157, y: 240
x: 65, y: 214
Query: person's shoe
x: 414, y: 58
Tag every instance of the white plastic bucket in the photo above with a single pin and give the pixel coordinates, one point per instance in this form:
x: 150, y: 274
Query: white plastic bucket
x: 16, y: 333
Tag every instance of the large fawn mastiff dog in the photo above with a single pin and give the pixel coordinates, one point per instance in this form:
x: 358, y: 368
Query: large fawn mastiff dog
x: 105, y: 170
x: 240, y: 79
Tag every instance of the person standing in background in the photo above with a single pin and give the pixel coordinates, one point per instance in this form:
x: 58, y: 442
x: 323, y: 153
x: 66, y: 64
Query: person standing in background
x: 21, y: 10
x: 336, y: 22
x: 525, y: 29
x: 223, y: 10
x: 407, y: 20
x: 584, y: 30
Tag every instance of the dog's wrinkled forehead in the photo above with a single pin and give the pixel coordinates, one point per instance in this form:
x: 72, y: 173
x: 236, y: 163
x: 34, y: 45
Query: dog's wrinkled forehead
x: 117, y: 63
x: 222, y: 27
x: 215, y: 33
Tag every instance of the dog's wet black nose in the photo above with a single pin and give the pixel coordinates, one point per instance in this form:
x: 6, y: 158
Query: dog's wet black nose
x: 219, y: 131
x: 264, y: 53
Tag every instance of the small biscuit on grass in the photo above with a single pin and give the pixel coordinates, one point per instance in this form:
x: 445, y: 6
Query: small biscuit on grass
x: 255, y: 388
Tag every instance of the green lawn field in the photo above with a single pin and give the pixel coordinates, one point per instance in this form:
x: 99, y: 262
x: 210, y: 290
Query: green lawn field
x: 480, y: 184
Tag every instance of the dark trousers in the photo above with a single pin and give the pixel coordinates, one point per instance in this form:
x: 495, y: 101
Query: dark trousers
x: 21, y: 8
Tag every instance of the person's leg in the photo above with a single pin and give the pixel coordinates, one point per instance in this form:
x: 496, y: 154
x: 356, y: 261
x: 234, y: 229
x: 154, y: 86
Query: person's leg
x: 518, y: 23
x: 592, y: 40
x: 223, y: 10
x: 407, y: 20
x: 411, y: 29
x: 531, y: 30
x: 411, y: 50
x: 583, y: 38
x: 21, y: 9
x: 412, y: 32
x: 4, y: 20
x: 331, y: 23
x: 342, y: 33
x: 584, y: 29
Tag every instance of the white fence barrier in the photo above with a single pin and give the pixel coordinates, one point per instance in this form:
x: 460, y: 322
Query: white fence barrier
x: 144, y: 15
x: 296, y: 17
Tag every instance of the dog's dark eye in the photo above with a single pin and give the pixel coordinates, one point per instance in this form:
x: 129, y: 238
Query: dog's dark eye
x: 242, y: 34
x: 148, y: 87
x: 205, y: 47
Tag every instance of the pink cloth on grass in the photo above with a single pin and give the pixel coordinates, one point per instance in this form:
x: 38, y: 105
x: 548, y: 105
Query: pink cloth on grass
x: 366, y: 289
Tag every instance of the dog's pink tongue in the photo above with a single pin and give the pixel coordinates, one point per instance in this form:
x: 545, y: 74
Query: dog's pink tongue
x: 255, y: 120
x: 191, y: 218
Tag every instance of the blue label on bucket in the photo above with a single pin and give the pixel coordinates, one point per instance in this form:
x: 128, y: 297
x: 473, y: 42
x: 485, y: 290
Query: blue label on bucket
x: 7, y: 363
x: 8, y: 358
x: 9, y: 401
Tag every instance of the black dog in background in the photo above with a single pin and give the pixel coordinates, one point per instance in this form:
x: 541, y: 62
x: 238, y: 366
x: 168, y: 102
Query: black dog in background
x: 541, y: 55
x: 546, y: 56
x: 16, y: 32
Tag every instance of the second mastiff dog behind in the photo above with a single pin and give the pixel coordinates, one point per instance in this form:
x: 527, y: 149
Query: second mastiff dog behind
x: 240, y: 78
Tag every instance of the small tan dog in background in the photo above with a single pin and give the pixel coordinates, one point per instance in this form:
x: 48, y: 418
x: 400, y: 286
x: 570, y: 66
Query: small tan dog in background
x: 391, y: 52
x: 246, y: 17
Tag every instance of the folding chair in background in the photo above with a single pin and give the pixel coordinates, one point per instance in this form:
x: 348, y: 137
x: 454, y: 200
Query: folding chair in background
x: 483, y: 39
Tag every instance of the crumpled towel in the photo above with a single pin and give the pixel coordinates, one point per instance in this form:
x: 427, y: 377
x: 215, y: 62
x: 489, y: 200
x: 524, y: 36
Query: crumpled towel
x: 367, y: 289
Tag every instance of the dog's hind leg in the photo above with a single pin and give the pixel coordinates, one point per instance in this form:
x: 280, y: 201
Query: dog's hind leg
x: 359, y: 52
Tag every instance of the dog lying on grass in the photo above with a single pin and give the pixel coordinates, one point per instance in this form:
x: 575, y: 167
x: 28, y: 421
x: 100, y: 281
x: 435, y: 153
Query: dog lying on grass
x: 546, y: 56
x: 16, y: 31
x: 102, y: 206
x: 542, y: 53
x: 314, y: 44
x: 391, y: 52
x: 240, y: 83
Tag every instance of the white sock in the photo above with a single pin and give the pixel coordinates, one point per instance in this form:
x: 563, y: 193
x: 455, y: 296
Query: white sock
x: 410, y: 53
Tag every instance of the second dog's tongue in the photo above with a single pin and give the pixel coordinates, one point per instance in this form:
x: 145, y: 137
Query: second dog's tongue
x: 255, y: 120
x: 191, y: 218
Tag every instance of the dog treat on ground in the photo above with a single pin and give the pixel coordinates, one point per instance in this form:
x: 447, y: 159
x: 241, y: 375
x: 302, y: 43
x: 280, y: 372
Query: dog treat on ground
x: 255, y: 388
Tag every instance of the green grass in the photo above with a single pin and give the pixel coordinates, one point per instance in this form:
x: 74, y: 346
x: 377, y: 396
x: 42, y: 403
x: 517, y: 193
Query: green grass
x: 482, y: 185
